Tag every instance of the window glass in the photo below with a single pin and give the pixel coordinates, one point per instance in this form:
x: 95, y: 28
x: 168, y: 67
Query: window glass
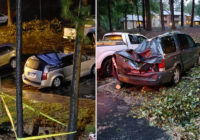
x: 67, y: 60
x: 113, y: 38
x: 168, y: 44
x: 35, y: 63
x: 141, y: 39
x: 4, y: 50
x: 190, y: 41
x: 83, y: 58
x: 91, y: 38
x: 132, y: 40
x: 183, y: 41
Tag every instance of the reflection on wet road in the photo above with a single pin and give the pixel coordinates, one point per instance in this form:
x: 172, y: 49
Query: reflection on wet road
x: 87, y: 85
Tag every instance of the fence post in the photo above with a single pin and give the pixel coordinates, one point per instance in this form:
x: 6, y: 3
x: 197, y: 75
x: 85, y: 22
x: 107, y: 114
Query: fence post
x: 19, y: 73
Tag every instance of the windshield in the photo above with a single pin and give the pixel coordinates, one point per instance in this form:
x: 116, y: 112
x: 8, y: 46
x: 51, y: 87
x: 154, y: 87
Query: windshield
x: 113, y: 38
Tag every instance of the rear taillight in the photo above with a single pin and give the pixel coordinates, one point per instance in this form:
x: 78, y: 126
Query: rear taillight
x: 45, y: 73
x: 44, y: 76
x: 161, y: 66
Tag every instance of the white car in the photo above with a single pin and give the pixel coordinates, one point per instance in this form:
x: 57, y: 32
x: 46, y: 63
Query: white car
x: 111, y: 43
x: 51, y: 69
x: 3, y: 18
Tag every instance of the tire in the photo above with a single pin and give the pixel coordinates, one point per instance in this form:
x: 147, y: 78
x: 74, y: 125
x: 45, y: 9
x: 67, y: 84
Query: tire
x: 176, y: 75
x: 57, y: 82
x: 107, y: 67
x: 93, y: 72
x: 13, y: 63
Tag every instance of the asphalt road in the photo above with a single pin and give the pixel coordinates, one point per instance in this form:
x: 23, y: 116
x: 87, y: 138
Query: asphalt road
x: 87, y: 85
x: 114, y: 121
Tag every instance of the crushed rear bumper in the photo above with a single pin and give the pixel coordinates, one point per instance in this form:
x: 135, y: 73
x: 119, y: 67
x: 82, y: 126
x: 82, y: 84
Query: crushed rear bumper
x: 149, y: 79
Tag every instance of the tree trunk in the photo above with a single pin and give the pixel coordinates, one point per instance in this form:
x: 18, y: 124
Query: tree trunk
x: 138, y: 20
x: 148, y: 15
x: 182, y: 13
x: 143, y: 14
x: 192, y: 17
x: 109, y: 15
x: 161, y: 16
x: 9, y: 13
x: 75, y: 79
x: 171, y: 4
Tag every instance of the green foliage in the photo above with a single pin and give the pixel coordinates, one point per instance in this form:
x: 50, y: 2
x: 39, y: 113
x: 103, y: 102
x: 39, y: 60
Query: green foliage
x: 90, y: 128
x: 177, y: 109
x: 55, y: 110
x: 118, y: 10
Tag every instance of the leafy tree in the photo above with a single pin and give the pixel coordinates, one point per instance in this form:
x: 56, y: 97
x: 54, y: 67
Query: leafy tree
x: 109, y: 14
x: 197, y: 8
x: 77, y: 14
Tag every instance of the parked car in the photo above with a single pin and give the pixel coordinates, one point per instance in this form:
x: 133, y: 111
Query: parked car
x: 3, y: 18
x: 8, y: 55
x: 51, y: 69
x: 111, y: 43
x: 157, y: 61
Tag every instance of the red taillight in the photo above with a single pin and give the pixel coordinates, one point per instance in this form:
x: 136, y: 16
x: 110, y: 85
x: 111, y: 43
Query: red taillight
x: 44, y: 76
x: 161, y: 66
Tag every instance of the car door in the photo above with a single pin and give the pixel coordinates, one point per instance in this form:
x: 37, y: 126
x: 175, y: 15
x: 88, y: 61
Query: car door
x: 185, y: 51
x: 192, y: 49
x: 67, y: 63
x: 169, y: 49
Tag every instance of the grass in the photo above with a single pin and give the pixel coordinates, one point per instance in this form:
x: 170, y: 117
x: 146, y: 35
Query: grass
x: 58, y: 111
x: 176, y: 109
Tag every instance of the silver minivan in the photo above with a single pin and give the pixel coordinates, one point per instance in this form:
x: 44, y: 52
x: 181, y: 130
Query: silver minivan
x: 51, y: 69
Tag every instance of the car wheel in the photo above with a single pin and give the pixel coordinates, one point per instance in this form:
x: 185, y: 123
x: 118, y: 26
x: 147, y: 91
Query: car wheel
x: 176, y: 75
x: 107, y: 67
x: 13, y: 63
x: 93, y: 70
x: 57, y: 82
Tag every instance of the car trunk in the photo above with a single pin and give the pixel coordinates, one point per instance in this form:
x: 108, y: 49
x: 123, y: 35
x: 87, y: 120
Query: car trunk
x: 34, y: 69
x: 145, y: 60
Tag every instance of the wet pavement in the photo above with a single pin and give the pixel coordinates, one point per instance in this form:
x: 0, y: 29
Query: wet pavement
x: 87, y: 86
x: 115, y: 121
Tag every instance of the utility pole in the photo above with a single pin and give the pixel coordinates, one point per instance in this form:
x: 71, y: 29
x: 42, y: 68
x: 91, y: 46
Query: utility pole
x: 19, y: 73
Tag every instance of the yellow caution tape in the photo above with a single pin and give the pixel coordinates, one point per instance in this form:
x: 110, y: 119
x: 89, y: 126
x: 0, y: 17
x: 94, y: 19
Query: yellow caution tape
x: 34, y: 137
x: 9, y: 115
x: 46, y: 136
x: 32, y: 109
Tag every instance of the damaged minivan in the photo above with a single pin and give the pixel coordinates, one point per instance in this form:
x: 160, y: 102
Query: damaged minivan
x: 157, y: 61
